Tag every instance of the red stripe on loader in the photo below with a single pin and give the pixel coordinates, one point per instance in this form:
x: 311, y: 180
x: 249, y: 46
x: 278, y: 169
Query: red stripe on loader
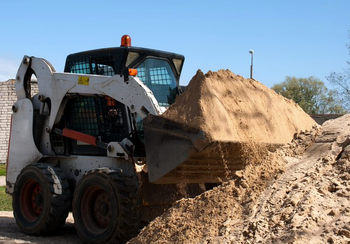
x: 79, y: 136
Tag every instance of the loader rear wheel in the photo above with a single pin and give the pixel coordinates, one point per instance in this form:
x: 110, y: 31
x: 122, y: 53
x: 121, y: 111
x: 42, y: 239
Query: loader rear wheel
x: 41, y: 199
x: 107, y: 206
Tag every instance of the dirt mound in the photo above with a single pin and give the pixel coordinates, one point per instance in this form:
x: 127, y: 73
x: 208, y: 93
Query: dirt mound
x: 228, y: 107
x: 289, y: 196
x: 235, y: 114
x: 310, y: 202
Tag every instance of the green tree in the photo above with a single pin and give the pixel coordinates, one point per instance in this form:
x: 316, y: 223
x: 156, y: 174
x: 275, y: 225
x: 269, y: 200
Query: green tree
x: 311, y: 94
x: 342, y: 81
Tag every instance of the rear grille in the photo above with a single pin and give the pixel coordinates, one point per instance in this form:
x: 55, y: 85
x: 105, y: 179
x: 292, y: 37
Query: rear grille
x: 57, y: 142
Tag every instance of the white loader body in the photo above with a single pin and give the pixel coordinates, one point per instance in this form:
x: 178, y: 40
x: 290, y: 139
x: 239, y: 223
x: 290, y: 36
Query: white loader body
x: 138, y: 98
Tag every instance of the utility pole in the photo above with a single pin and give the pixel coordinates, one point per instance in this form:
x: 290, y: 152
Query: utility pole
x: 251, y: 51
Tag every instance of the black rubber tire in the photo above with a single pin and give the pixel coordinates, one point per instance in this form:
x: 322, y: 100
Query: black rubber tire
x: 107, y: 206
x: 41, y: 199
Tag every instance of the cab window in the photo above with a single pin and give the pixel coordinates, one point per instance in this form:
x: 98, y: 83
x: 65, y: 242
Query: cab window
x: 158, y: 76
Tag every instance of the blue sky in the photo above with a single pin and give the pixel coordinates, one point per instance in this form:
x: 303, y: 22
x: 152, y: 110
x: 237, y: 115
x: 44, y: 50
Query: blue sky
x: 299, y: 38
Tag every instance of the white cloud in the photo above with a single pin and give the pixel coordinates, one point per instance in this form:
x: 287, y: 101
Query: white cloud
x: 8, y: 69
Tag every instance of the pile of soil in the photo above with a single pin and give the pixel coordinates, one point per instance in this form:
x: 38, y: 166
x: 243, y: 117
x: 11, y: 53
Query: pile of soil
x: 237, y: 116
x: 310, y: 202
x: 228, y: 107
x: 297, y: 194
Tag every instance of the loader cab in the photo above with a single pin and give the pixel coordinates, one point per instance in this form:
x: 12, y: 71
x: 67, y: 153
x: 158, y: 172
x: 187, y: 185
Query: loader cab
x: 160, y: 71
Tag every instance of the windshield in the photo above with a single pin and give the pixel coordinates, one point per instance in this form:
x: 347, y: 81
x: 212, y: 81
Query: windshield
x: 158, y: 76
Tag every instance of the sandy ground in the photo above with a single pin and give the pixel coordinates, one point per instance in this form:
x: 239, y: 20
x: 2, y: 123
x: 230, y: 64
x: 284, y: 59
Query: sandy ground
x: 10, y: 233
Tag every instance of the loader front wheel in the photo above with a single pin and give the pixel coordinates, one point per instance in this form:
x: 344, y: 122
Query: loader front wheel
x: 106, y: 206
x: 41, y: 199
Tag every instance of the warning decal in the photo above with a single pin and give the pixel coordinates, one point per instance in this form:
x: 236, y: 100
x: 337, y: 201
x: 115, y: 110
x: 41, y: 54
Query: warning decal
x: 83, y: 80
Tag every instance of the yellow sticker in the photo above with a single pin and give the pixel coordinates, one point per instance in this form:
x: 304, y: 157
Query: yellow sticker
x: 83, y: 80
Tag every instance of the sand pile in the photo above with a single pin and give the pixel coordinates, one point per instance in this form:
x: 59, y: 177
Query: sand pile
x: 236, y: 115
x: 310, y: 202
x: 228, y: 107
x: 286, y: 196
x: 298, y: 194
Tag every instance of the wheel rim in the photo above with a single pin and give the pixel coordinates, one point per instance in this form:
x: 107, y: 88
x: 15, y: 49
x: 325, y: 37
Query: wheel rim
x: 31, y: 200
x: 96, y: 209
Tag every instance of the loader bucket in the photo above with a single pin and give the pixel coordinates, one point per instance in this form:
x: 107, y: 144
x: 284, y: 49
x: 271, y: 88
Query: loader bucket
x: 177, y: 153
x: 168, y: 144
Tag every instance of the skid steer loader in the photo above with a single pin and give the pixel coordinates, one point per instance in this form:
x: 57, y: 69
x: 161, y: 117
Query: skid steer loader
x: 91, y: 142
